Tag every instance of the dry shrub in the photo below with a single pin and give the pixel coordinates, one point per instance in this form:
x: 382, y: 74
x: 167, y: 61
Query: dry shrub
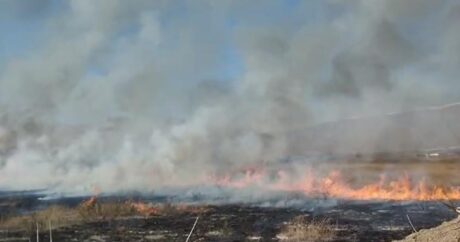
x: 299, y: 229
x: 106, y: 211
x: 168, y: 209
x: 87, y: 211
x: 193, y: 209
x: 58, y: 216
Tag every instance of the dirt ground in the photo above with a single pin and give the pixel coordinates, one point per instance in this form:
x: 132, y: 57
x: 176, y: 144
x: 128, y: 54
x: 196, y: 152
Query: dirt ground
x: 446, y: 232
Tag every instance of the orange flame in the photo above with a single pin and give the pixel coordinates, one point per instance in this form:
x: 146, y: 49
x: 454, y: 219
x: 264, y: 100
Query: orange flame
x: 334, y: 186
x: 91, y: 202
x: 144, y: 209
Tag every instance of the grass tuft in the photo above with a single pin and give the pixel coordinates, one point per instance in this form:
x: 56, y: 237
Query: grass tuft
x: 299, y: 229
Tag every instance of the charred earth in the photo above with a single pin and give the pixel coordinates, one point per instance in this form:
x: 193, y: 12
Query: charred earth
x: 346, y: 220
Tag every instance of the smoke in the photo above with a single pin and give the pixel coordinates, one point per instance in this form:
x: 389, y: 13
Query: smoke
x: 137, y: 95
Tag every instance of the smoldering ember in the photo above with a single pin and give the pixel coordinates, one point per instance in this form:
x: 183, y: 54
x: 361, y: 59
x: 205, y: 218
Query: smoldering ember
x: 230, y: 120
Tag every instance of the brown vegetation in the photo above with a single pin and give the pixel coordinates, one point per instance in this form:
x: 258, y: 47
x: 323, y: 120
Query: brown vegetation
x: 54, y: 216
x: 299, y: 229
x: 87, y: 211
x: 106, y: 211
x: 446, y: 232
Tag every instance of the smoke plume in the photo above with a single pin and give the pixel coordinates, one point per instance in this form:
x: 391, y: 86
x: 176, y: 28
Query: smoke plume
x: 139, y: 95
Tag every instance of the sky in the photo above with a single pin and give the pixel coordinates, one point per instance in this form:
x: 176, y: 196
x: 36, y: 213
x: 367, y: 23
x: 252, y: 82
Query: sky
x: 115, y: 88
x: 30, y: 26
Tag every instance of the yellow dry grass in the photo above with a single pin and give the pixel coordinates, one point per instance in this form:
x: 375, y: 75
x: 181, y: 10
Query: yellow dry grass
x: 60, y: 216
x: 87, y: 211
x: 299, y: 229
x: 106, y: 211
x: 56, y: 216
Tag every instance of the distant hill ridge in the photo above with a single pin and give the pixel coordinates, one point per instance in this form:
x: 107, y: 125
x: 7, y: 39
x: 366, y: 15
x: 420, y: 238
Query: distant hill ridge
x: 419, y: 129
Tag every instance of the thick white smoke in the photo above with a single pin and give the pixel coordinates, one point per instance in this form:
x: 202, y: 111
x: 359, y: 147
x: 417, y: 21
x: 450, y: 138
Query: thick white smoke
x: 130, y: 95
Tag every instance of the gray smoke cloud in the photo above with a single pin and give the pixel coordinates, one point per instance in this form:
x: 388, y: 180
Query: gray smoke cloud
x: 123, y: 95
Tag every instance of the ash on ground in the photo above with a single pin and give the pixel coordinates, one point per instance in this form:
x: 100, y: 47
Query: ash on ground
x: 350, y: 221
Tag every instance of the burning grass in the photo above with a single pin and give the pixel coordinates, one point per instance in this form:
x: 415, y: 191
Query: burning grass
x: 299, y: 229
x: 336, y: 185
x: 106, y: 211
